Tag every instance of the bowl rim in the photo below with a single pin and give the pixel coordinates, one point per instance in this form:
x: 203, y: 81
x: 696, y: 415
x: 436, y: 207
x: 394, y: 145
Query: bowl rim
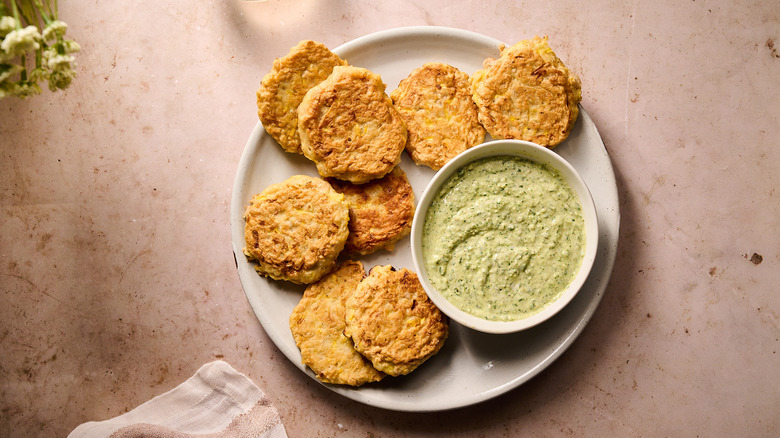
x: 522, y: 149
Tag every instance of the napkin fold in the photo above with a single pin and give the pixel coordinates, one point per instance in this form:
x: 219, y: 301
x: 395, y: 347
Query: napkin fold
x: 217, y: 402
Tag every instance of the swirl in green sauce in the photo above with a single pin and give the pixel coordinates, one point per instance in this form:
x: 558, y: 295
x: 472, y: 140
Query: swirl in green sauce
x: 503, y: 238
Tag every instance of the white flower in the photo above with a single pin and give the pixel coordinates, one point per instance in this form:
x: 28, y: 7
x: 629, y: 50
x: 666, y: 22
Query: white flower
x: 60, y: 80
x: 54, y: 29
x: 7, y: 24
x: 48, y: 53
x: 21, y: 41
x: 31, y: 55
x: 8, y: 70
x: 26, y: 89
x: 60, y: 62
x: 7, y: 89
x: 56, y: 61
x: 71, y: 46
x: 39, y: 74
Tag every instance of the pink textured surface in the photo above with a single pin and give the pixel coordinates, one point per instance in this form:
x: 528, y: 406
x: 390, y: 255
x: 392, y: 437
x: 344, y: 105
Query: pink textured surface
x: 117, y: 278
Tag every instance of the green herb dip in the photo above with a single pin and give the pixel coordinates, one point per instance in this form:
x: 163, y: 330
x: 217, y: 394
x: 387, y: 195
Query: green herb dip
x: 503, y: 238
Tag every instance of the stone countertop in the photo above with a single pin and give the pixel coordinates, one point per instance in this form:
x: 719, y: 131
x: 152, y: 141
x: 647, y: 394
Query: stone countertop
x: 117, y: 277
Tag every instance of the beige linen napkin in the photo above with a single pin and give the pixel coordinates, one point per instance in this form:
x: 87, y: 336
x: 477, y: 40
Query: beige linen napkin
x: 217, y: 401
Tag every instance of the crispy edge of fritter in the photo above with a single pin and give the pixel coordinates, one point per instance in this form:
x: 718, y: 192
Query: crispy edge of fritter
x: 506, y: 93
x: 380, y: 212
x: 317, y: 324
x: 393, y: 323
x: 296, y: 229
x: 441, y: 117
x: 282, y: 89
x: 349, y: 128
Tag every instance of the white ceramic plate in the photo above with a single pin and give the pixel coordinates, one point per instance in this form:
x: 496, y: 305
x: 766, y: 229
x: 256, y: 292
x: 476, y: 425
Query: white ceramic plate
x: 472, y: 366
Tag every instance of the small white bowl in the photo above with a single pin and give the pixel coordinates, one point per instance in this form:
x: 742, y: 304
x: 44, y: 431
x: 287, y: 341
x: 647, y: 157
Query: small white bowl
x: 522, y: 149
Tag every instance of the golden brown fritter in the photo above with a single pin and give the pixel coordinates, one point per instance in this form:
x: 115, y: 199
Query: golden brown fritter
x: 296, y: 229
x: 527, y: 94
x: 318, y: 322
x: 349, y: 128
x: 393, y: 323
x: 441, y: 117
x: 380, y: 212
x: 283, y: 88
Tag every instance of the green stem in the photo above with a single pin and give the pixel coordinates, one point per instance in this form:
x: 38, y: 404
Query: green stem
x: 27, y: 12
x: 38, y: 58
x: 19, y: 13
x: 16, y: 14
x: 32, y: 12
x: 23, y: 74
x: 43, y: 12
